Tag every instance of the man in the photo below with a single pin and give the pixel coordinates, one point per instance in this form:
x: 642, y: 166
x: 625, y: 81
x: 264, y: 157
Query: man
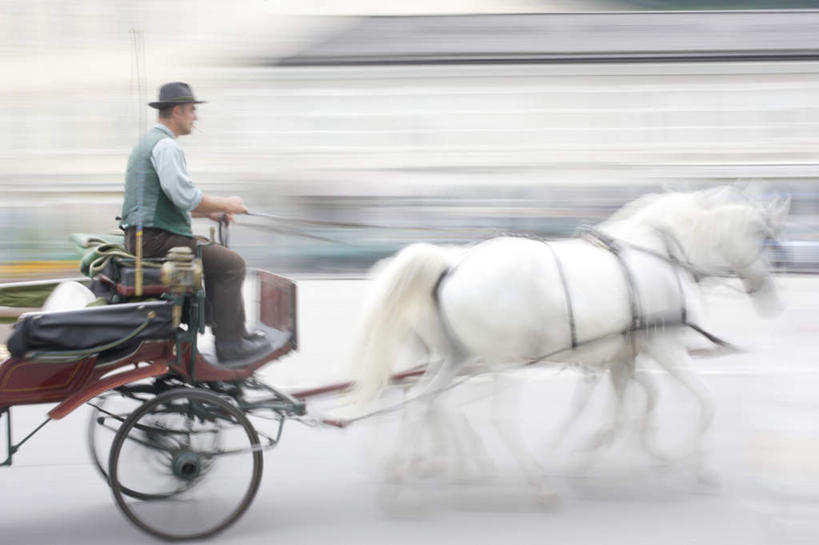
x: 169, y: 200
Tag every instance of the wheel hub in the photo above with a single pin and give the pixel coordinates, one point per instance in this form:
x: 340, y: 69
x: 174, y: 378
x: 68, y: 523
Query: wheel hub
x: 186, y: 465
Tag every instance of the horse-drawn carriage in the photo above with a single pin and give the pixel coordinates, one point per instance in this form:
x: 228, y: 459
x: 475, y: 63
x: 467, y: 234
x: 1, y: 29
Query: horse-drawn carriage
x: 185, y: 460
x: 178, y: 420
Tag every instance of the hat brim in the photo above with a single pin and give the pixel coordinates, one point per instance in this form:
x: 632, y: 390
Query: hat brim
x: 161, y: 105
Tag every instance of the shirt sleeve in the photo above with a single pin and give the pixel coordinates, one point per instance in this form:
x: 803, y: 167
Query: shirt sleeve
x: 170, y: 165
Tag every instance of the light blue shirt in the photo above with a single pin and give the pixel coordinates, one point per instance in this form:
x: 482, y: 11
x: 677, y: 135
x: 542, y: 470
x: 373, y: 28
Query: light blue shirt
x: 169, y: 162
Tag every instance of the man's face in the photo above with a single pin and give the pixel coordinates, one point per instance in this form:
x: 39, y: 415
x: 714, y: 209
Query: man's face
x: 185, y: 117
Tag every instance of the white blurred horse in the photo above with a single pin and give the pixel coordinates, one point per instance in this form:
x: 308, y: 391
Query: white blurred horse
x: 628, y: 289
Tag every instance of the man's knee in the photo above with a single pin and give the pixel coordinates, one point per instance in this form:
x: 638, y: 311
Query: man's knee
x: 237, y: 265
x: 219, y: 261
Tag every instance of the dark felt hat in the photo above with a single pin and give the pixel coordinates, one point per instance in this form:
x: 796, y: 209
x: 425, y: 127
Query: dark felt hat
x: 174, y: 93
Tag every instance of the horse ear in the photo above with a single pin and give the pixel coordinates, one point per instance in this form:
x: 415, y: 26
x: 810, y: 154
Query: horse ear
x: 718, y: 196
x: 754, y: 190
x: 777, y: 210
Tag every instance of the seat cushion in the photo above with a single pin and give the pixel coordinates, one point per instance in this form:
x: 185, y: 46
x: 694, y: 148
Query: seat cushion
x: 151, y: 281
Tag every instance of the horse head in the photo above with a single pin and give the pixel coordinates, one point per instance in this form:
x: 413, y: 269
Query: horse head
x: 729, y: 237
x: 716, y: 233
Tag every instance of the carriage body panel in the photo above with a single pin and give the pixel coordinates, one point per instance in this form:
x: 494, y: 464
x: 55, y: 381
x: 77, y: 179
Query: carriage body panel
x: 59, y: 376
x: 24, y: 382
x: 31, y: 381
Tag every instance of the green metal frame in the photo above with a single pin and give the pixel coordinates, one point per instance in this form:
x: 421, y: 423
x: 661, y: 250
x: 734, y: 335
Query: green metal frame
x: 196, y: 325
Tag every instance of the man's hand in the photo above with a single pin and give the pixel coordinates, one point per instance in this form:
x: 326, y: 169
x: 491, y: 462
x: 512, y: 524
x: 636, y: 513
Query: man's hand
x: 222, y: 216
x: 211, y: 207
x: 235, y: 205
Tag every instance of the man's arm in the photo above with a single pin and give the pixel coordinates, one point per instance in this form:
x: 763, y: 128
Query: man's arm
x: 171, y: 167
x: 211, y: 206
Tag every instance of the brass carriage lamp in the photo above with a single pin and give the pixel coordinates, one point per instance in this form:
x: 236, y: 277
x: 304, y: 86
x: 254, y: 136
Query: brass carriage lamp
x: 181, y: 274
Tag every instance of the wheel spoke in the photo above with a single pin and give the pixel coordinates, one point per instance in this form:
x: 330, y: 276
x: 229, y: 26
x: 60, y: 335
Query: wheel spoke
x: 107, y: 415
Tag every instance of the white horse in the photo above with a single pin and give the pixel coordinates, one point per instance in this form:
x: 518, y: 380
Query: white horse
x: 628, y: 288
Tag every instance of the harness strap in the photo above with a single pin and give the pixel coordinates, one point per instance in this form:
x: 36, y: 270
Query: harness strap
x: 615, y: 248
x: 569, y: 306
x: 457, y: 345
x: 668, y: 240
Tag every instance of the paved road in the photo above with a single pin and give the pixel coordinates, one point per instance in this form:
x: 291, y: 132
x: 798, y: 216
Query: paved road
x: 321, y: 485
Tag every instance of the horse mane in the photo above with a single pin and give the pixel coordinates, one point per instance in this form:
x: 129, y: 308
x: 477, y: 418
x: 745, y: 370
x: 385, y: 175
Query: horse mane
x: 632, y: 208
x: 658, y: 208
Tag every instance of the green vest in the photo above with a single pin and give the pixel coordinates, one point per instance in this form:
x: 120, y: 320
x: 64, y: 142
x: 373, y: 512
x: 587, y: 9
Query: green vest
x: 158, y: 211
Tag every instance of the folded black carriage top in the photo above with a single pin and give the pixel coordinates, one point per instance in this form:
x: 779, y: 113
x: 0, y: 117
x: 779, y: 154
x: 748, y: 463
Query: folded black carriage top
x: 91, y: 329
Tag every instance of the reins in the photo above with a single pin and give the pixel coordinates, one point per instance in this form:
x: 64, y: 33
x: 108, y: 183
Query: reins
x: 299, y: 227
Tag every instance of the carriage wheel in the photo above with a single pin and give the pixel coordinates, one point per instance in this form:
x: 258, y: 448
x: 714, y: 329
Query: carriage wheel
x: 194, y: 459
x: 108, y: 412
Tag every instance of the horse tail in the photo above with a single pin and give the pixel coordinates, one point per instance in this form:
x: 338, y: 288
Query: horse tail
x: 402, y: 297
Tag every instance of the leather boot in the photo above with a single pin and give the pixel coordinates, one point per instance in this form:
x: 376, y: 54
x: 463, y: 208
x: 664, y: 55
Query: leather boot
x: 243, y: 348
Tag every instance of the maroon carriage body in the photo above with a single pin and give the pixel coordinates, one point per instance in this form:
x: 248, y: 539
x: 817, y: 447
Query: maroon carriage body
x: 72, y: 382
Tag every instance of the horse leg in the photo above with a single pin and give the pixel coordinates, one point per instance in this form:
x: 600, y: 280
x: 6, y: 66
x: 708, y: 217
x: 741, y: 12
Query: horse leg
x: 397, y: 463
x: 620, y: 372
x: 504, y: 418
x: 433, y: 450
x: 672, y: 356
x: 580, y: 400
x: 417, y: 456
x: 470, y: 459
x: 648, y: 424
x: 426, y: 415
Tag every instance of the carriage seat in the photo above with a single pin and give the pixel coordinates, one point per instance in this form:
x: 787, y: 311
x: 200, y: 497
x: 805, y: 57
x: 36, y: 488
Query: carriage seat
x: 117, y: 281
x: 105, y: 259
x: 151, y: 281
x: 90, y: 330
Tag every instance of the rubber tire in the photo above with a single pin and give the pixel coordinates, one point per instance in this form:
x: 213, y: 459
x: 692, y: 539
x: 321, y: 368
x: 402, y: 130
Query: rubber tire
x: 189, y: 393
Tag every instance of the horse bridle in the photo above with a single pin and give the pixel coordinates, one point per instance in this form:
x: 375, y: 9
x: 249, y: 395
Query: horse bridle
x: 675, y: 253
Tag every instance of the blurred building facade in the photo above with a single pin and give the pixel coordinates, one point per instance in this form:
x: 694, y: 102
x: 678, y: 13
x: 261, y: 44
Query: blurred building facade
x: 441, y: 149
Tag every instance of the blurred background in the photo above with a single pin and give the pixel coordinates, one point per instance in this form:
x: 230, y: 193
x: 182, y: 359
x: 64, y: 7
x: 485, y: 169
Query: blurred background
x: 424, y: 122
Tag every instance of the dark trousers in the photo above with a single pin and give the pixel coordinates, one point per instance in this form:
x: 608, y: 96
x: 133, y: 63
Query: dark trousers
x: 224, y: 273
